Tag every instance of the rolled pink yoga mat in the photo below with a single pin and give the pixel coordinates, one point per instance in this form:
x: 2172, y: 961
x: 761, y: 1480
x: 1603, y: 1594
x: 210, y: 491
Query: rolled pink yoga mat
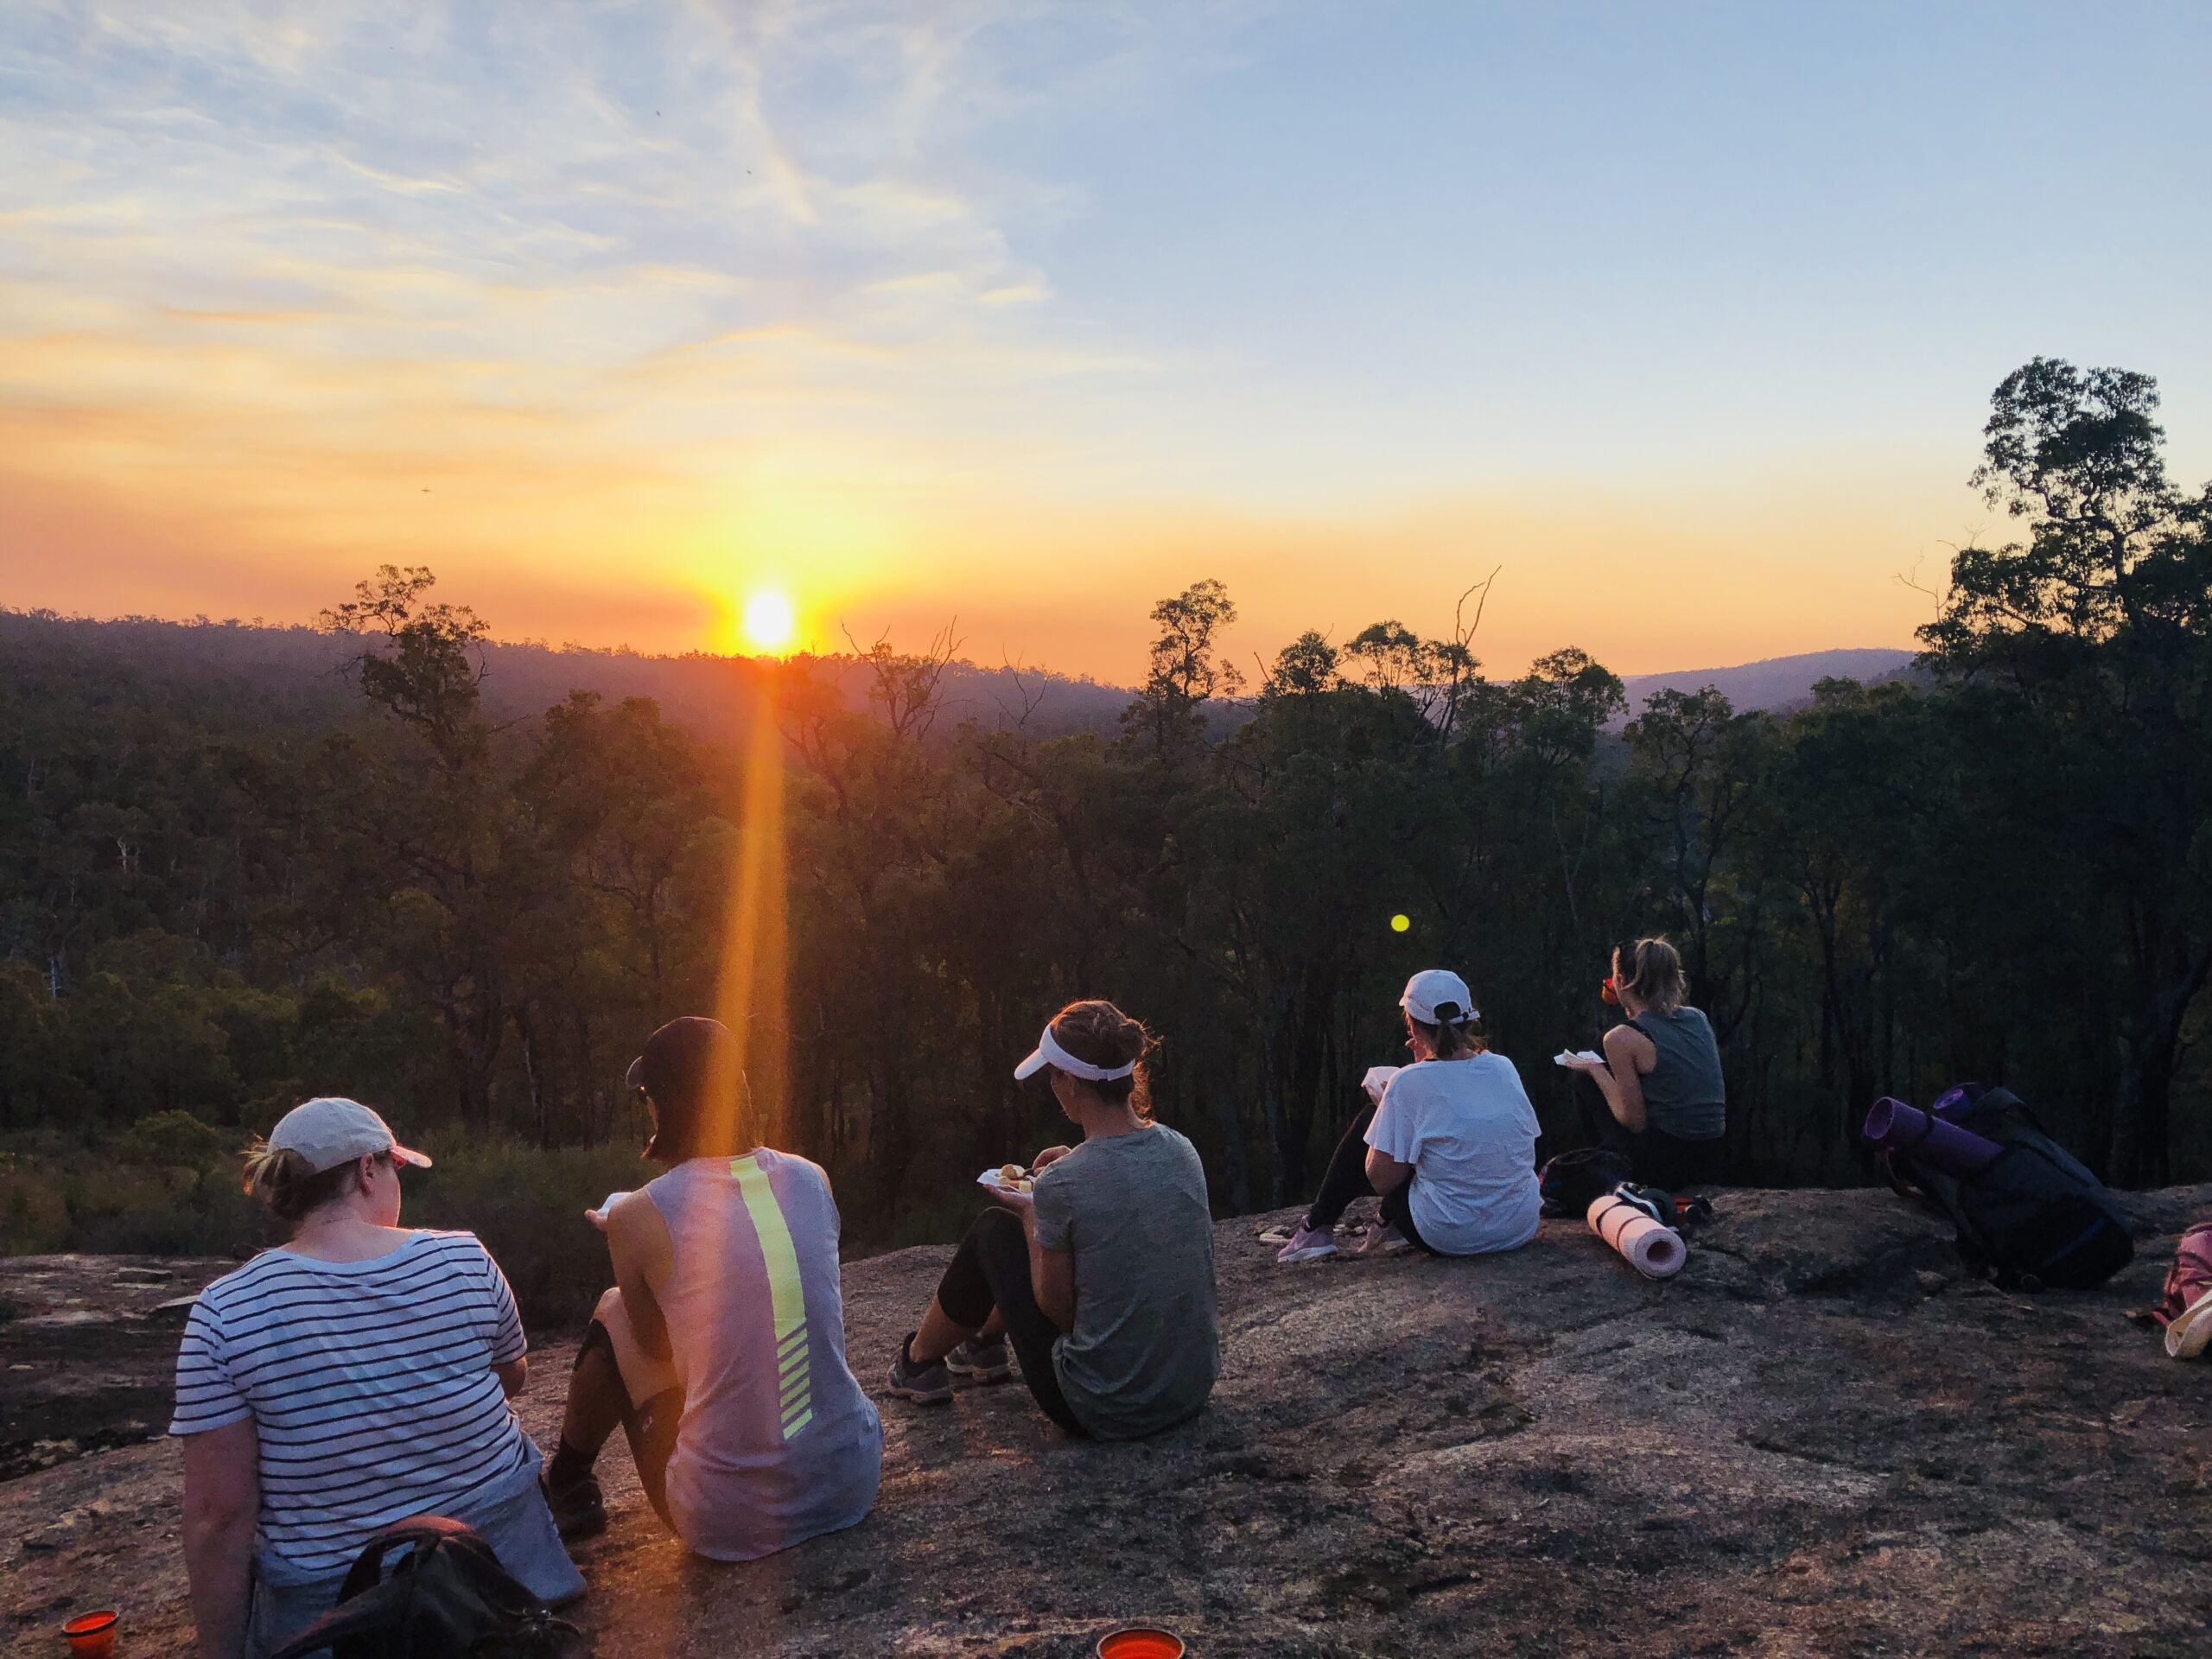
x: 1893, y: 1124
x: 1654, y: 1251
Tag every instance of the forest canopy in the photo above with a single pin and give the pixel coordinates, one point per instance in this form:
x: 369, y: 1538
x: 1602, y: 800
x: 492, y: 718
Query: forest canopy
x: 219, y: 899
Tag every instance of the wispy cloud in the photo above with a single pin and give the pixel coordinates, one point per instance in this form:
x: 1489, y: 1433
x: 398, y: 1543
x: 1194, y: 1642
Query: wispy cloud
x: 288, y: 211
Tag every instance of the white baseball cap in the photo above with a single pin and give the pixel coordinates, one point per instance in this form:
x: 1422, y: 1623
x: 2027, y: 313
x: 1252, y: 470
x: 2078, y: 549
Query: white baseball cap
x: 331, y: 1130
x: 1437, y: 994
x: 1049, y: 1052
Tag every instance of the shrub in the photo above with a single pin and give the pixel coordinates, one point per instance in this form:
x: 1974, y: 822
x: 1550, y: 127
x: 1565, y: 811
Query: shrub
x: 161, y: 1210
x: 174, y: 1139
x: 34, y: 1215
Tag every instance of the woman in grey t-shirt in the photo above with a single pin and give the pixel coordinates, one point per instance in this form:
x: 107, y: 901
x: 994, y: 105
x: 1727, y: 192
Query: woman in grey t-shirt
x: 1658, y: 1095
x: 1102, y: 1281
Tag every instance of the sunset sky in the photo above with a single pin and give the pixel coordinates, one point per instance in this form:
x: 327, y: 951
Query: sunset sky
x: 1685, y: 315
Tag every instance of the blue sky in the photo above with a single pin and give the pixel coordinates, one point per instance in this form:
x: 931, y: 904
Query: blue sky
x: 1686, y: 315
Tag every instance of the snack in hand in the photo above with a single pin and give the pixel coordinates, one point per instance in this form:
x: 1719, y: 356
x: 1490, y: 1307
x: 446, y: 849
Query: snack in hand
x: 1011, y: 1172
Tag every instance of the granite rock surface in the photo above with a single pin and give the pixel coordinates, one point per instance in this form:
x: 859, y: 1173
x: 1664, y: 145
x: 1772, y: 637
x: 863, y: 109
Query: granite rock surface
x: 1823, y: 1439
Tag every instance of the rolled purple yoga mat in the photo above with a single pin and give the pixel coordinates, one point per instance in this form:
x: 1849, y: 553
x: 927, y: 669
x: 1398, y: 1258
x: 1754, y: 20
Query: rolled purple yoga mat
x: 1900, y: 1128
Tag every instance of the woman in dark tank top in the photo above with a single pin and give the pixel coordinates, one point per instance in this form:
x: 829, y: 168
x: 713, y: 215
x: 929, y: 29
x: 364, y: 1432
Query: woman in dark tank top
x: 1658, y: 1096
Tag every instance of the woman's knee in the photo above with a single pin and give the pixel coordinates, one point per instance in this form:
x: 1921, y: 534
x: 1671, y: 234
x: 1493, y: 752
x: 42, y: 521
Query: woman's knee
x: 965, y: 1291
x: 643, y: 1375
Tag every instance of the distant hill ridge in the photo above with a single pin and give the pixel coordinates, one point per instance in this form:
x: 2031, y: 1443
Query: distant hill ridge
x: 1774, y: 683
x: 698, y: 690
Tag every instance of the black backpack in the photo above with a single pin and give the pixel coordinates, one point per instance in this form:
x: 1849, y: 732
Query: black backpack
x: 447, y: 1598
x: 2034, y: 1218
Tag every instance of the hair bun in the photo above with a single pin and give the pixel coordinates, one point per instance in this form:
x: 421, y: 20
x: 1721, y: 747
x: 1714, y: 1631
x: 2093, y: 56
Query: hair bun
x: 1133, y: 1039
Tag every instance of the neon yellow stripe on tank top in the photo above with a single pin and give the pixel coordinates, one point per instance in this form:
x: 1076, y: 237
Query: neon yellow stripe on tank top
x: 787, y: 1294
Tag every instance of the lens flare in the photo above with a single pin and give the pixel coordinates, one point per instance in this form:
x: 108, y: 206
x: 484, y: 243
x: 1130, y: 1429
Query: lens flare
x: 1400, y: 922
x: 749, y: 993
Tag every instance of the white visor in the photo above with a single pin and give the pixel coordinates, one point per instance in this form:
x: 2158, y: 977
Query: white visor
x: 1048, y: 1053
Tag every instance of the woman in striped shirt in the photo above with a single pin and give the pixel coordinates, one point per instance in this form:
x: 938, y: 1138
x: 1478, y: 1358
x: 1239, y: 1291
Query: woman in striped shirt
x: 357, y: 1375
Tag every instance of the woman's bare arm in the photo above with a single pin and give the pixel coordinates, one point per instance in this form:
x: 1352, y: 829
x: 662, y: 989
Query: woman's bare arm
x: 1051, y: 1272
x: 1052, y: 1277
x: 222, y: 1500
x: 1628, y: 1054
x: 643, y: 1254
x: 1385, y: 1173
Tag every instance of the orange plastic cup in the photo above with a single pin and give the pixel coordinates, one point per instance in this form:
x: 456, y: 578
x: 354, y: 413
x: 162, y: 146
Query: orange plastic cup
x: 92, y: 1636
x: 1140, y: 1642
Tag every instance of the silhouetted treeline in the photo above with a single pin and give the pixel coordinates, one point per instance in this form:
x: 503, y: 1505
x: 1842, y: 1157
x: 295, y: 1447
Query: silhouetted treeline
x: 218, y: 901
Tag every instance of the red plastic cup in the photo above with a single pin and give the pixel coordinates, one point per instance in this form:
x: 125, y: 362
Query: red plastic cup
x: 1140, y: 1642
x: 92, y: 1636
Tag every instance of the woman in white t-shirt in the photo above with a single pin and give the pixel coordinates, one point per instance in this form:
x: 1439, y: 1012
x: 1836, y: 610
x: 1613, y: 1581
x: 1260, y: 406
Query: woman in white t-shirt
x: 1449, y: 1146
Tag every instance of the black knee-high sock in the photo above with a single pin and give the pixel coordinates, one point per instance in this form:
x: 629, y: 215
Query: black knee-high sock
x: 570, y: 1464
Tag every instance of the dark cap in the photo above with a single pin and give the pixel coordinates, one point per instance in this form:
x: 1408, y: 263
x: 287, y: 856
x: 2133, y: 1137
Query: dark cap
x: 690, y: 1068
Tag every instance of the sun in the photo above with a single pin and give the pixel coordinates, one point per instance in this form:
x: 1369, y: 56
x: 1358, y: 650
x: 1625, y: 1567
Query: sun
x: 770, y: 622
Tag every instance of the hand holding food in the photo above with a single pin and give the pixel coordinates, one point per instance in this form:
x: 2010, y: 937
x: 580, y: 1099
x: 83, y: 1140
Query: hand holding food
x: 1006, y: 1177
x: 597, y: 1217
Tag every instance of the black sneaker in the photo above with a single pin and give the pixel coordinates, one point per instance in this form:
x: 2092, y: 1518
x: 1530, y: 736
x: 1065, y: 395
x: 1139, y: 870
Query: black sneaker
x: 930, y: 1384
x: 579, y: 1510
x: 980, y: 1361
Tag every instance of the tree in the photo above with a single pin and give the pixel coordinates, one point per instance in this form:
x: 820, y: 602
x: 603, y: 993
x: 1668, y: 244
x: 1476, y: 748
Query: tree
x: 1304, y: 668
x: 1186, y: 669
x: 2098, y: 629
x: 1701, y: 764
x: 430, y: 669
x: 428, y: 857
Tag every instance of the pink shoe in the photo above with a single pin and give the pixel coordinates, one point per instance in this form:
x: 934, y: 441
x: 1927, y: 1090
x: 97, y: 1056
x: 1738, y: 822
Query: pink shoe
x: 1383, y: 1239
x: 1306, y: 1244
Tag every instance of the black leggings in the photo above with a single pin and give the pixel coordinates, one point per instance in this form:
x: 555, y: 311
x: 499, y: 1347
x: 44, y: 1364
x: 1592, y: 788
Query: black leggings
x: 991, y: 1270
x: 1346, y: 1180
x: 1663, y: 1159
